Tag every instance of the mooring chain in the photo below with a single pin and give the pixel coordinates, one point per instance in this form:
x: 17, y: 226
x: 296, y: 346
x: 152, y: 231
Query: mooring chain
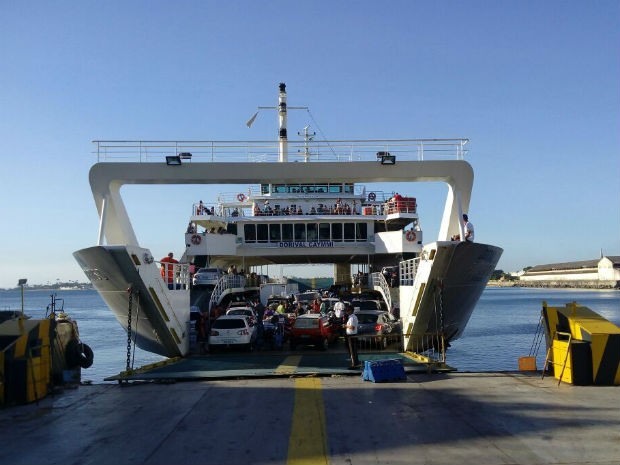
x: 130, y: 290
x: 441, y: 322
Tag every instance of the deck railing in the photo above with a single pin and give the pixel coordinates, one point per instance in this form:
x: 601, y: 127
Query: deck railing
x: 268, y: 151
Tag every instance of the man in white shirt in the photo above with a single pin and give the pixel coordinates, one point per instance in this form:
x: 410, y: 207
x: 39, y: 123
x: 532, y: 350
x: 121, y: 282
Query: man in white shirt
x: 468, y: 229
x: 351, y: 333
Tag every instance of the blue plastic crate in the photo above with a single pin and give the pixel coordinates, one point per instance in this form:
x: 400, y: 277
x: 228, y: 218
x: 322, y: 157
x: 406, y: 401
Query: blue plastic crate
x: 379, y: 371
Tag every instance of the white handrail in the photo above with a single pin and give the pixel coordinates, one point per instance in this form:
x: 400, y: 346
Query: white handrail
x: 267, y: 151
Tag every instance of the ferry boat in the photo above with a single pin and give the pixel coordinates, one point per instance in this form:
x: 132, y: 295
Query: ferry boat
x: 298, y: 202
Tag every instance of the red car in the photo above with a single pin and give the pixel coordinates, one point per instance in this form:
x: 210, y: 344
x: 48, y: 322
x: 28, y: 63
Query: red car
x: 313, y: 329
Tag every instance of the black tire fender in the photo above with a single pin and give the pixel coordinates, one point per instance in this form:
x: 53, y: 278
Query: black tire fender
x: 78, y: 354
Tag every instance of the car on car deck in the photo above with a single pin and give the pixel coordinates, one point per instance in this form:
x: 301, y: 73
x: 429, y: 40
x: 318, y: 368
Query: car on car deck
x: 368, y: 304
x: 312, y: 329
x: 232, y: 331
x: 247, y: 311
x: 207, y: 276
x: 378, y: 328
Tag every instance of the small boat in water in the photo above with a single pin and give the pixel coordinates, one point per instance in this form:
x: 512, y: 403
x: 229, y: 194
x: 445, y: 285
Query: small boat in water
x: 303, y: 202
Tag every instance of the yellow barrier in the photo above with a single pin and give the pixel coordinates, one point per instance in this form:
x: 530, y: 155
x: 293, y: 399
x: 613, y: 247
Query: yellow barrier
x: 582, y: 346
x: 26, y: 362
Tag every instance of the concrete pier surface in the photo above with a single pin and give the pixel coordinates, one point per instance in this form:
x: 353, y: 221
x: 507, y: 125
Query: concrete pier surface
x: 439, y: 418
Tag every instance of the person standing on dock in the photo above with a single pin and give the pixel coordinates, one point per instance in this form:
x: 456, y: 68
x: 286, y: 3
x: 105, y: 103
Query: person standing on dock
x: 351, y: 333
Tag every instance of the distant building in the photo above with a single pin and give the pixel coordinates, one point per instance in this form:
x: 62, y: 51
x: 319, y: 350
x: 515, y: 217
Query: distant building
x: 603, y: 272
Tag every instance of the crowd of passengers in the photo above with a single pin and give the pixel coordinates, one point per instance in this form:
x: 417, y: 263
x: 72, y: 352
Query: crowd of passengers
x: 339, y: 208
x: 395, y: 204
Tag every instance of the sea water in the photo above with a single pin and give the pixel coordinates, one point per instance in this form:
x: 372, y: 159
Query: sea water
x: 501, y: 329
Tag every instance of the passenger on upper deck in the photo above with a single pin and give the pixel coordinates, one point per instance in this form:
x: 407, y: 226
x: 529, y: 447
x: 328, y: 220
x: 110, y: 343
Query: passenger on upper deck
x: 267, y: 210
x: 201, y: 208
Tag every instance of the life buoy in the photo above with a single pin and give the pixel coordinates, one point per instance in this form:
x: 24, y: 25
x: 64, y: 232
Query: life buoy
x: 410, y: 236
x: 240, y: 196
x: 372, y: 196
x: 196, y: 239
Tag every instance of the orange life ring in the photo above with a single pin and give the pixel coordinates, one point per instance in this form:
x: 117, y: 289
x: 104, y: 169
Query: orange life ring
x: 196, y: 239
x: 372, y: 196
x: 240, y: 196
x: 410, y: 236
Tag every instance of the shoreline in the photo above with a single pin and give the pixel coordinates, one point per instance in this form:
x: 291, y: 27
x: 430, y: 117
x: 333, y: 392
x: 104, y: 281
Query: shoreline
x: 613, y: 285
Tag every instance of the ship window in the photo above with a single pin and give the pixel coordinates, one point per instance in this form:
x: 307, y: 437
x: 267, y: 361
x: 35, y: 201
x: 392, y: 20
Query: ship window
x: 335, y: 188
x: 337, y: 232
x: 262, y: 233
x: 361, y: 232
x: 300, y: 232
x: 249, y: 230
x: 349, y: 232
x: 321, y: 188
x: 274, y: 233
x: 287, y: 232
x: 264, y: 188
x: 348, y: 188
x: 324, y: 232
x: 312, y: 231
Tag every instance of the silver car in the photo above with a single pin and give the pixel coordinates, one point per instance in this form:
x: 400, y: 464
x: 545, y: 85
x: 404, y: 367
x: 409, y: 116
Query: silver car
x: 207, y: 276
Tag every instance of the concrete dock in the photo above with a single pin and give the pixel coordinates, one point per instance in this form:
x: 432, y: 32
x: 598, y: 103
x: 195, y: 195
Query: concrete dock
x: 437, y: 418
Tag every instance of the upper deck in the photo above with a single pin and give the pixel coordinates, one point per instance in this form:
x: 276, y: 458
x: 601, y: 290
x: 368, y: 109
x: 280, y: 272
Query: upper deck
x: 260, y: 162
x: 178, y: 152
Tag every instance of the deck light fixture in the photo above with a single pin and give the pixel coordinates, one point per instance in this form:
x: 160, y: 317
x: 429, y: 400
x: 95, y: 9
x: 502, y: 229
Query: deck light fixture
x: 386, y: 158
x: 173, y: 160
x: 176, y: 160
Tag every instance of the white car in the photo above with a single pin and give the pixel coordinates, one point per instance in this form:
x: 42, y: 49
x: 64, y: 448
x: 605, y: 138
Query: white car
x: 247, y: 311
x: 232, y: 330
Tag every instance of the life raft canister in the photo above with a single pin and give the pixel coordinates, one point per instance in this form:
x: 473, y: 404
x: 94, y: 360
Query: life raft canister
x: 410, y: 236
x: 372, y: 196
x: 241, y: 197
x: 196, y: 239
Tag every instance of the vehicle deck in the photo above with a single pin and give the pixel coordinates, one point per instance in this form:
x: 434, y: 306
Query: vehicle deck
x: 272, y: 363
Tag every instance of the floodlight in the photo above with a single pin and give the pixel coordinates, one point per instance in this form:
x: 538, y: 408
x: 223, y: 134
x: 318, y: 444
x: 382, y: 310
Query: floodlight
x: 173, y: 160
x: 386, y: 158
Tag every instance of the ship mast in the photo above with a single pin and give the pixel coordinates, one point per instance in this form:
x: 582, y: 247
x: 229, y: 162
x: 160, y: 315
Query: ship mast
x: 282, y: 122
x: 282, y: 119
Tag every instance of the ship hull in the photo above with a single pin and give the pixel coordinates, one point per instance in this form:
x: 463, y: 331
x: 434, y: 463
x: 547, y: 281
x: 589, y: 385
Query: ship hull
x: 450, y: 279
x: 128, y: 283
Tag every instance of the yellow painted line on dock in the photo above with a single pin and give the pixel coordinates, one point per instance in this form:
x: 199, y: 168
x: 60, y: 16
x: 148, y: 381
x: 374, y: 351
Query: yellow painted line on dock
x: 288, y: 365
x: 308, y: 441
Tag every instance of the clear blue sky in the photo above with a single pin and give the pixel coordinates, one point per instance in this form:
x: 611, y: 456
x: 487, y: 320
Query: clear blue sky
x: 534, y: 85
